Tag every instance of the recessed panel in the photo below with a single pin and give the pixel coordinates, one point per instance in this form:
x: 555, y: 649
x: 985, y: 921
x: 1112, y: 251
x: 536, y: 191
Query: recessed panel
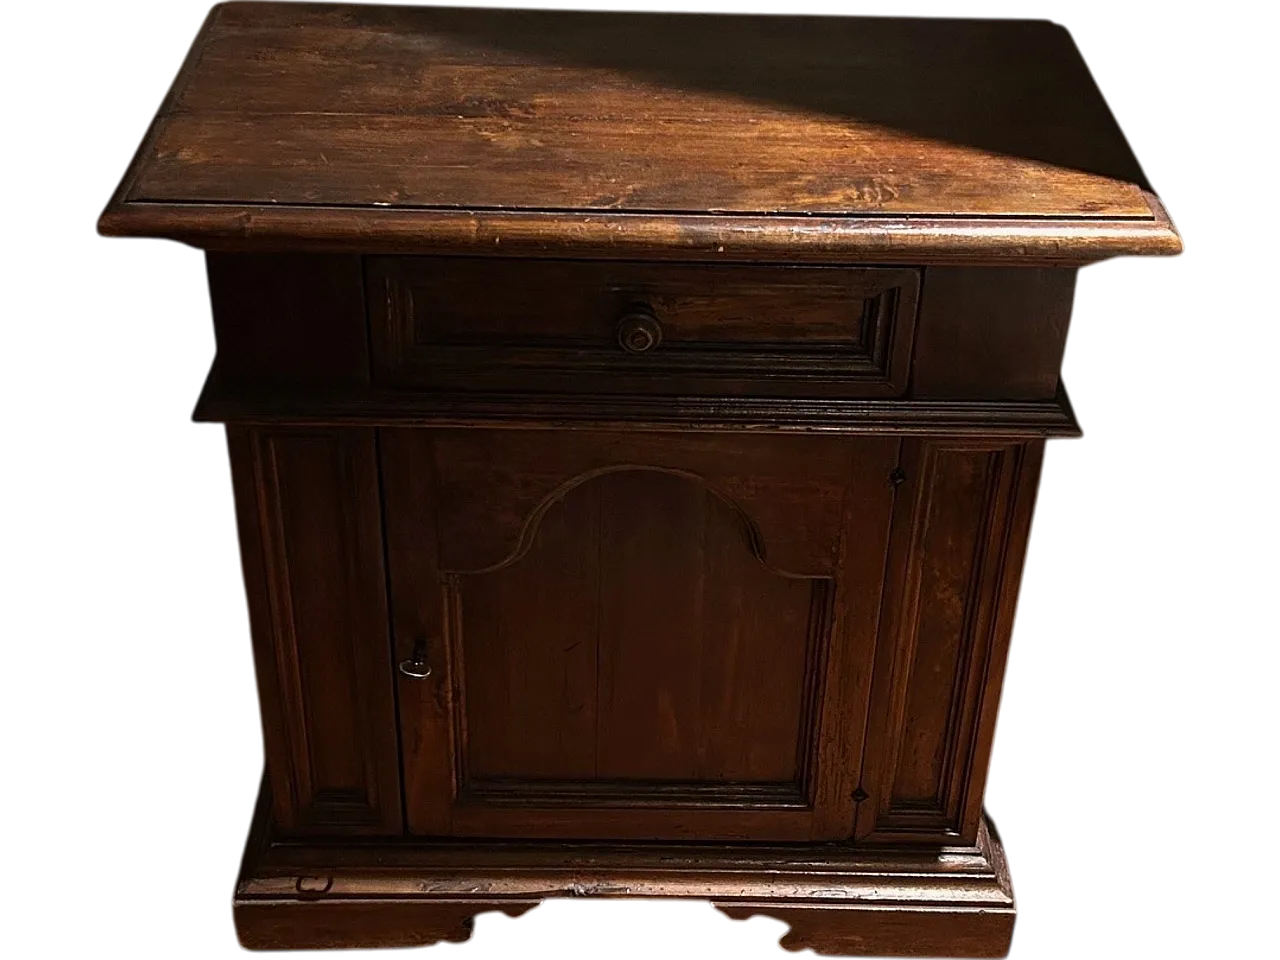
x: 471, y: 325
x: 638, y: 639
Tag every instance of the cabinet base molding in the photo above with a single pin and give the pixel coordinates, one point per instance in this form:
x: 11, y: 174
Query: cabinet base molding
x: 839, y: 900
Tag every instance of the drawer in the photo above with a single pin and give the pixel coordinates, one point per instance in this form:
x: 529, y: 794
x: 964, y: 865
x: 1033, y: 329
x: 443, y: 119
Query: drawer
x: 462, y: 324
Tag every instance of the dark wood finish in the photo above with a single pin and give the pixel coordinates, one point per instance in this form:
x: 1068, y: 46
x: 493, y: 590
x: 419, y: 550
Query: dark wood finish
x: 953, y: 901
x: 316, y: 924
x: 311, y: 542
x: 559, y: 111
x: 222, y: 403
x: 635, y: 636
x: 635, y: 423
x: 692, y: 666
x: 902, y: 931
x: 459, y: 124
x: 1042, y: 241
x: 960, y: 523
x: 997, y: 334
x: 289, y: 320
x: 465, y: 324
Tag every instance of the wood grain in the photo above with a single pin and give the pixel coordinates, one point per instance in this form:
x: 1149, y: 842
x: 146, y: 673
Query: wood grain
x: 227, y: 403
x: 960, y: 529
x: 994, y: 333
x: 508, y: 109
x: 691, y: 667
x: 900, y: 932
x: 311, y: 543
x: 292, y: 121
x: 497, y: 324
x: 494, y: 486
x: 318, y: 925
x: 289, y: 319
x: 1026, y: 241
x: 665, y: 395
x: 953, y: 901
x: 530, y: 638
x: 635, y: 637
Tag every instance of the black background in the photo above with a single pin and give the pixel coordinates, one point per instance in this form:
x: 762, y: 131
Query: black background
x: 146, y: 536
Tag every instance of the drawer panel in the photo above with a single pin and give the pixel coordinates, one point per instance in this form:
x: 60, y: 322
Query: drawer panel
x: 605, y: 327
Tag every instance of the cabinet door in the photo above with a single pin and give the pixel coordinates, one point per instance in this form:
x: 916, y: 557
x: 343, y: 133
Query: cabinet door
x: 634, y: 635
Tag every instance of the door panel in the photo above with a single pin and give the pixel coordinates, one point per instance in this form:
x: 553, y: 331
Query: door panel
x: 616, y: 651
x: 689, y: 662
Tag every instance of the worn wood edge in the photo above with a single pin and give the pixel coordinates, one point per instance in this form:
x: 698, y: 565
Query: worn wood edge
x: 224, y: 403
x: 323, y: 924
x: 838, y: 899
x: 700, y: 12
x: 259, y: 839
x: 766, y: 876
x: 609, y: 235
x: 304, y: 921
x: 283, y: 866
x: 888, y: 931
x: 1160, y: 215
x: 377, y: 866
x: 992, y: 850
x: 119, y: 199
x: 1011, y: 563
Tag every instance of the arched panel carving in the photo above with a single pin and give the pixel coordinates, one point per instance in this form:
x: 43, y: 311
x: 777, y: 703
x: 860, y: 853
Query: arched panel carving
x: 634, y: 635
x: 492, y: 486
x: 529, y: 531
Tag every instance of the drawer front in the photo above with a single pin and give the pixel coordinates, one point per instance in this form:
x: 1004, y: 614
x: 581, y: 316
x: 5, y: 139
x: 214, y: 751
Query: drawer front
x: 601, y: 327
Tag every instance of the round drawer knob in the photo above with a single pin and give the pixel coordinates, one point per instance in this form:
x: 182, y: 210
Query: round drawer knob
x: 639, y: 330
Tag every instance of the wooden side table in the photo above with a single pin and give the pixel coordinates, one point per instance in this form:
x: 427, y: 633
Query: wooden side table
x: 635, y: 422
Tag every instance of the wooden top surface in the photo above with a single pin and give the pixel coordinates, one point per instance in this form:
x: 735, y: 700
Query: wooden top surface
x: 805, y: 137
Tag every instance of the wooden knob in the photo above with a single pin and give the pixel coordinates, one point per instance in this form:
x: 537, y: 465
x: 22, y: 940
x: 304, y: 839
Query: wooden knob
x: 639, y: 330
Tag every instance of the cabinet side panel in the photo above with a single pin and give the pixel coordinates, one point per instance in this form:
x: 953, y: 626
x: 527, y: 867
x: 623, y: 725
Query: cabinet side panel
x: 992, y: 333
x: 959, y: 536
x: 1026, y: 483
x: 281, y: 776
x: 289, y: 318
x: 311, y: 543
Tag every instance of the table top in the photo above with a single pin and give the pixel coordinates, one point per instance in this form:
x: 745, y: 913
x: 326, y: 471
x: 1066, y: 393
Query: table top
x: 809, y: 138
